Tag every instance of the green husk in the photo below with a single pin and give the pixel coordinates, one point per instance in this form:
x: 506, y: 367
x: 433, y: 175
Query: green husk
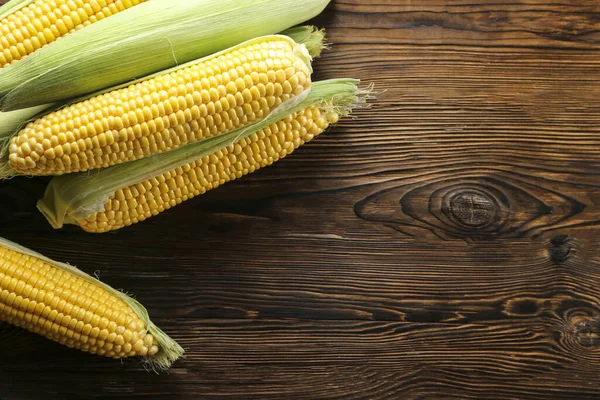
x: 150, y: 37
x: 71, y: 197
x: 12, y: 6
x: 169, y: 351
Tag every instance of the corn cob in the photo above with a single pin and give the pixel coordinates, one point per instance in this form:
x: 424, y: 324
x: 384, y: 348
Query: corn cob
x: 138, y: 202
x: 206, y: 98
x: 145, y: 39
x: 125, y: 194
x: 27, y: 26
x: 64, y: 304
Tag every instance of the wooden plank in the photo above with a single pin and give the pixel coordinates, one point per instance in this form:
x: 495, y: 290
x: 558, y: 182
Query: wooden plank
x: 443, y: 244
x: 276, y: 358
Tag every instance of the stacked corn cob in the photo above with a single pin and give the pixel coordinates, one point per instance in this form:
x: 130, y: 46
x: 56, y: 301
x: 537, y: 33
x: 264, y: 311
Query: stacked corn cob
x: 191, y: 95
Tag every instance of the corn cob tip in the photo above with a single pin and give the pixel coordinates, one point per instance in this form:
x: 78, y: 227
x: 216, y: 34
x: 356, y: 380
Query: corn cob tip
x: 169, y: 351
x: 10, y: 124
x: 309, y: 35
x: 346, y: 95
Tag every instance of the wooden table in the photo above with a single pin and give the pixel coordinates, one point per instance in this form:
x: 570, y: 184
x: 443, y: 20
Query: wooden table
x: 442, y: 245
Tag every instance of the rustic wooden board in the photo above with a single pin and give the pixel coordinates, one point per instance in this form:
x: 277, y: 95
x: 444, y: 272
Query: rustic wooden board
x: 442, y: 245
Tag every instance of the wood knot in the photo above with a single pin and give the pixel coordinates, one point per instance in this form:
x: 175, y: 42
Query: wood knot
x: 587, y: 332
x: 476, y: 210
x: 561, y: 247
x: 583, y: 325
x: 471, y: 208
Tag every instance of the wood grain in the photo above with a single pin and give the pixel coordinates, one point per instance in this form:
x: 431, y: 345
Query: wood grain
x: 443, y: 244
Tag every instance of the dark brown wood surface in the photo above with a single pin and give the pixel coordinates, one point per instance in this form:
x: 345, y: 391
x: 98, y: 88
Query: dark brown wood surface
x: 444, y: 244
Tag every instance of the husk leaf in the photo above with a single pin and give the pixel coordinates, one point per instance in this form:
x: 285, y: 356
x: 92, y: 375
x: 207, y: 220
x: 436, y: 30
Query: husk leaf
x: 169, y: 351
x: 150, y: 37
x: 13, y: 6
x: 71, y: 197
